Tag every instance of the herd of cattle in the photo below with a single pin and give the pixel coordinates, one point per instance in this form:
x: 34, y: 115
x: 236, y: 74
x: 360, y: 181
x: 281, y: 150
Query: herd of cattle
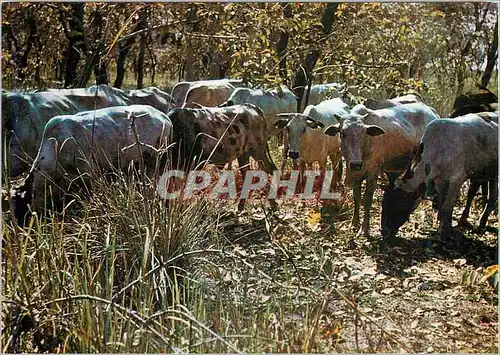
x: 57, y: 136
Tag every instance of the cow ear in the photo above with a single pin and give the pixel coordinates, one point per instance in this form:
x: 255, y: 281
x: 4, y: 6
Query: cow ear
x: 373, y: 130
x: 312, y: 123
x: 338, y: 117
x: 332, y: 130
x: 281, y: 123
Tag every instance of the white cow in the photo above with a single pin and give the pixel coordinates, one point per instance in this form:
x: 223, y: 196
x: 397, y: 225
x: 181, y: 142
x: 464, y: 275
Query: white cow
x: 91, y: 141
x: 24, y: 115
x: 306, y: 140
x: 180, y: 90
x: 151, y: 96
x: 396, y: 101
x: 320, y: 92
x: 271, y: 103
x: 207, y: 94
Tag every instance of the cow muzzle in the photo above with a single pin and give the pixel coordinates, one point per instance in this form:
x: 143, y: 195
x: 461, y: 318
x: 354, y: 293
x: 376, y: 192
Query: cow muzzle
x: 293, y: 154
x: 356, y: 165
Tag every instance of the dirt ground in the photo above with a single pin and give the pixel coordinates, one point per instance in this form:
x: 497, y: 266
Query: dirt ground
x: 412, y: 293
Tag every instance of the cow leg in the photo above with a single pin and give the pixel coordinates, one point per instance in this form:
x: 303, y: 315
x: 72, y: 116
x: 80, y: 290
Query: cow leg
x: 471, y: 193
x: 340, y: 169
x: 448, y: 194
x: 392, y: 179
x: 265, y: 163
x: 301, y: 180
x: 336, y: 176
x: 357, y: 198
x: 371, y: 184
x: 243, y: 162
x: 285, y: 150
x: 322, y: 172
x: 490, y: 204
x: 484, y: 188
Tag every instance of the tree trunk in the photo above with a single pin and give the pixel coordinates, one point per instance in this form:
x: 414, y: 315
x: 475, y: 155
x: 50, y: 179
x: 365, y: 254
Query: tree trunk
x: 100, y: 70
x: 304, y: 72
x: 94, y: 61
x: 20, y: 56
x: 154, y: 60
x: 283, y: 44
x: 76, y: 43
x: 188, y: 63
x: 491, y: 59
x: 123, y: 49
x: 142, y: 49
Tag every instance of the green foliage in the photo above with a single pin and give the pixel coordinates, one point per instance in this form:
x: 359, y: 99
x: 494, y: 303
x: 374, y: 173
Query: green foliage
x: 379, y: 49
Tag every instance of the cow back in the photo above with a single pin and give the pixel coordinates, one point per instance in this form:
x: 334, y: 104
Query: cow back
x: 218, y: 135
x: 102, y: 134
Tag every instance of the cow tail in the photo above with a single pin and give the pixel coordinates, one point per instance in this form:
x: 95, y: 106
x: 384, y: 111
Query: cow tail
x: 27, y: 184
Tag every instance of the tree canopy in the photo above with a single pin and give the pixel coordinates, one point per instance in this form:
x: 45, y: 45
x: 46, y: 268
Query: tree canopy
x: 379, y: 49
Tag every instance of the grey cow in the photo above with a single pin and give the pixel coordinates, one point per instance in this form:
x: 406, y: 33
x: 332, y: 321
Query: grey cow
x: 76, y: 145
x: 24, y: 115
x: 451, y: 151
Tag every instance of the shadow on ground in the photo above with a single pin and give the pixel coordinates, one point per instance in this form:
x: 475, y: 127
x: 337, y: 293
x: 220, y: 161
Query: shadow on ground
x: 399, y: 253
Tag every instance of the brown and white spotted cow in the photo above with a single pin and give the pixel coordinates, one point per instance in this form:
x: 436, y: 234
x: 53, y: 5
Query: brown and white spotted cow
x: 220, y: 135
x: 375, y: 142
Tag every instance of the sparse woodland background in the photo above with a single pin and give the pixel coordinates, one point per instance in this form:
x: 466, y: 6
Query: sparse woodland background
x: 438, y: 50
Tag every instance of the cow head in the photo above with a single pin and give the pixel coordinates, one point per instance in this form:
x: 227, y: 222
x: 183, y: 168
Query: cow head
x: 353, y: 132
x: 397, y: 205
x: 239, y: 96
x: 296, y: 125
